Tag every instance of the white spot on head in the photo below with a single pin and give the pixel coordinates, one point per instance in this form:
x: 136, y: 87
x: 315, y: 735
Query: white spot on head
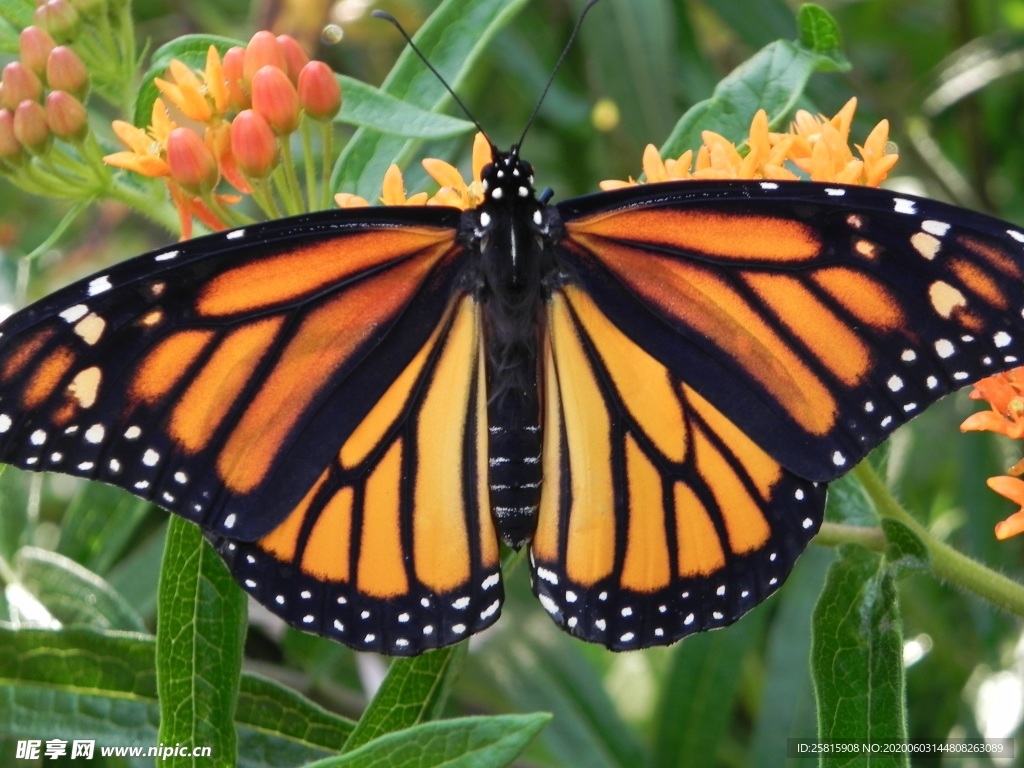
x: 99, y: 285
x: 1002, y: 339
x: 485, y: 219
x: 75, y: 313
x: 944, y: 348
x: 903, y: 205
x: 496, y: 194
x: 895, y: 383
x: 538, y: 219
x: 524, y: 192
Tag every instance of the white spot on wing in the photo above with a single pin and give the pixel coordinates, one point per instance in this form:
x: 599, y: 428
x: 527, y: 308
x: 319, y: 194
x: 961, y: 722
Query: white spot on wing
x: 99, y: 285
x: 234, y: 235
x: 903, y: 205
x: 75, y: 313
x: 166, y: 255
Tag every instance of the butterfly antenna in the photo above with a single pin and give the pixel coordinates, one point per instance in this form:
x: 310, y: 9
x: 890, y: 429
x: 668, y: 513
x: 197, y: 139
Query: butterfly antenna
x: 394, y: 22
x: 558, y: 65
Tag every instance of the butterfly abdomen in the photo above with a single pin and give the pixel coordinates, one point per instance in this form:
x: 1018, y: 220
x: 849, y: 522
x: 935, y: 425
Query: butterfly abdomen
x: 514, y: 466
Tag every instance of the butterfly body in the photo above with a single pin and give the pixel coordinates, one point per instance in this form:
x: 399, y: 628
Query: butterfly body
x: 650, y: 386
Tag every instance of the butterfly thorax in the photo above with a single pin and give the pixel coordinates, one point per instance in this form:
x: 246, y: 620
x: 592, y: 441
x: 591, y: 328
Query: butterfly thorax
x: 510, y: 234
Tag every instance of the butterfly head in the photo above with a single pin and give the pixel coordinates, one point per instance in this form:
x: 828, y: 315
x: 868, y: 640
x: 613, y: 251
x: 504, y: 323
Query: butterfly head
x: 507, y: 178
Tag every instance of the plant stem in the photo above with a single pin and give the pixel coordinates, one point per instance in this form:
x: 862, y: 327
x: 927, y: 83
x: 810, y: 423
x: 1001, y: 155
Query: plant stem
x: 946, y: 562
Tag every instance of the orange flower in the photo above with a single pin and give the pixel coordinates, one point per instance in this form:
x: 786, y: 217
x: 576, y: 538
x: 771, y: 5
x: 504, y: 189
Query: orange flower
x: 147, y: 148
x: 454, y: 190
x: 394, y: 190
x: 816, y: 145
x: 1004, y: 392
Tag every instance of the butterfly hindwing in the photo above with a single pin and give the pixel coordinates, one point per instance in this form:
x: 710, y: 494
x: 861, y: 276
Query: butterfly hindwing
x: 393, y: 549
x: 659, y: 517
x: 817, y: 317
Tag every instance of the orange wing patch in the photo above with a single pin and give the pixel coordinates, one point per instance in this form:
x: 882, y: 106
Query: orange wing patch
x: 692, y: 532
x: 399, y: 525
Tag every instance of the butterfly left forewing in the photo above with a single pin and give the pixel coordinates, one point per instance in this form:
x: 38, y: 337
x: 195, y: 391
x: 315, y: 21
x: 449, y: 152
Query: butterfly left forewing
x: 393, y: 548
x: 659, y: 517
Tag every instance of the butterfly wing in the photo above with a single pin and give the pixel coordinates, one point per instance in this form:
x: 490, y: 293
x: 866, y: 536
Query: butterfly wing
x: 225, y: 378
x: 659, y: 517
x: 715, y: 353
x: 818, y: 317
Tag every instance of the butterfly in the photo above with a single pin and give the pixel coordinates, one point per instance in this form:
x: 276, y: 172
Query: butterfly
x: 649, y: 388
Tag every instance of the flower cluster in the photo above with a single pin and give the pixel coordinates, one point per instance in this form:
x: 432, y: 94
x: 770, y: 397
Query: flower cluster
x: 233, y: 120
x: 1005, y: 395
x: 818, y: 147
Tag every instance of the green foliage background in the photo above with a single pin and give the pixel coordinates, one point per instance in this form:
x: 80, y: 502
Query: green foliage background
x: 948, y: 77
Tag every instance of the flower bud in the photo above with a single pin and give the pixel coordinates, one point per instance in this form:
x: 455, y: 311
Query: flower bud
x: 232, y: 66
x: 30, y: 127
x: 275, y: 98
x: 191, y: 162
x: 11, y: 150
x: 253, y: 144
x: 319, y: 91
x: 295, y: 58
x: 20, y: 84
x: 66, y: 116
x: 263, y: 51
x: 65, y: 71
x: 34, y: 47
x: 58, y: 18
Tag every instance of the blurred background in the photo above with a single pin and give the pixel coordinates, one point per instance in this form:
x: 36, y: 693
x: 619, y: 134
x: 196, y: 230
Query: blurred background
x: 949, y: 76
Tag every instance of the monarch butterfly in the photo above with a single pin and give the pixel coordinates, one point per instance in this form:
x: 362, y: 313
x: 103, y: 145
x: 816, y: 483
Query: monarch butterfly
x: 649, y: 387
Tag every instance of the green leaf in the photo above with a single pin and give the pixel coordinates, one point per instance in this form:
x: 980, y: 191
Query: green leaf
x: 819, y: 32
x: 904, y: 549
x: 857, y: 655
x: 469, y: 742
x: 200, y: 632
x: 71, y: 594
x: 454, y: 38
x: 100, y: 523
x: 413, y: 692
x: 705, y: 668
x: 371, y: 107
x: 17, y: 13
x: 102, y: 685
x: 773, y: 79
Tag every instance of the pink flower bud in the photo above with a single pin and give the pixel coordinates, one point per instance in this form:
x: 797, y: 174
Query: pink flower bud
x: 11, y: 150
x: 60, y: 19
x: 65, y: 71
x: 253, y: 144
x: 232, y: 66
x: 295, y: 58
x: 263, y: 51
x: 66, y: 116
x: 319, y: 91
x: 20, y: 84
x: 30, y: 127
x: 34, y: 46
x: 191, y: 162
x: 275, y: 98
